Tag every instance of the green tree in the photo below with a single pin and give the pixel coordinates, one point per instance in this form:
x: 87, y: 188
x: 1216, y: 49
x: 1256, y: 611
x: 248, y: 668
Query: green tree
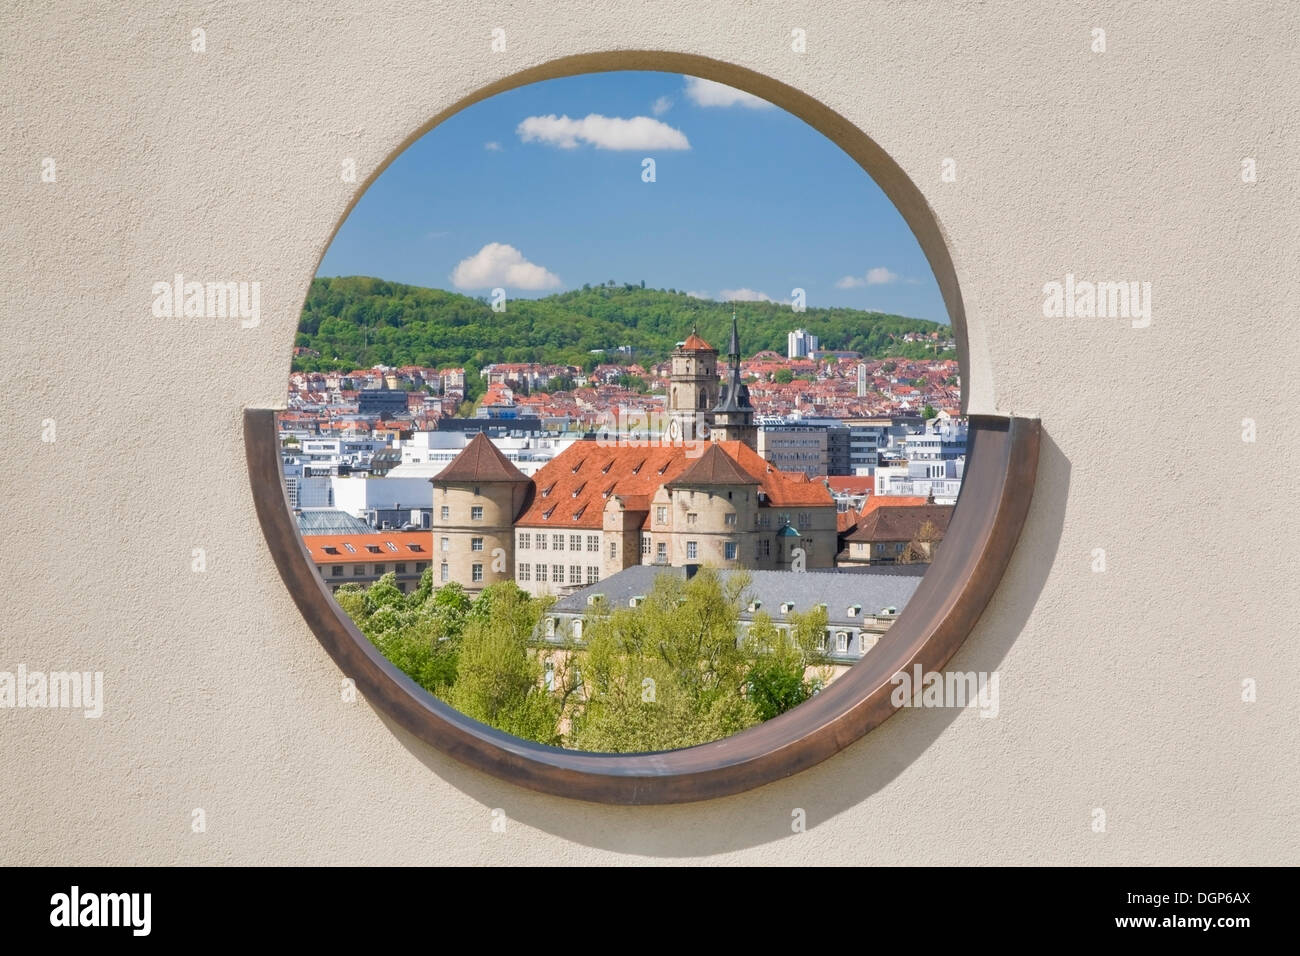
x: 783, y: 376
x: 776, y: 680
x: 667, y: 674
x: 498, y: 680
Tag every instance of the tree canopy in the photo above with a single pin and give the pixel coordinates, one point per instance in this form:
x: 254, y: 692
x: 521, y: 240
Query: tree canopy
x: 357, y: 322
x: 676, y: 671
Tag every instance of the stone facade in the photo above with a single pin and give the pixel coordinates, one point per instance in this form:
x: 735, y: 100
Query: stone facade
x: 475, y: 501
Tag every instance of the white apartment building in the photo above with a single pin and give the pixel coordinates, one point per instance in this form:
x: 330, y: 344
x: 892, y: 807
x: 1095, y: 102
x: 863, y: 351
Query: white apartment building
x: 800, y: 344
x: 923, y: 479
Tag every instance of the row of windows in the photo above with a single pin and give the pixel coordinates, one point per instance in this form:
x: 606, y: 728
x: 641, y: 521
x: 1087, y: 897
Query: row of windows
x: 842, y: 638
x: 475, y: 513
x: 577, y: 542
x: 729, y: 519
x: 401, y: 586
x: 762, y: 519
x: 371, y: 548
x: 475, y: 544
x: 359, y: 570
x: 475, y: 573
x: 555, y: 572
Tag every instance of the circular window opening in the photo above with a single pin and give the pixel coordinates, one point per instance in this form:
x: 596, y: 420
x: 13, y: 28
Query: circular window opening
x: 639, y: 539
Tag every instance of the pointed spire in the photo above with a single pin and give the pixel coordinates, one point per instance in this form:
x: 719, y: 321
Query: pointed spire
x: 734, y: 349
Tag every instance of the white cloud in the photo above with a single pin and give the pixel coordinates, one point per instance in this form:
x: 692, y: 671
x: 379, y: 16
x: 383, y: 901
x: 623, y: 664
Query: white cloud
x: 661, y: 106
x: 743, y: 295
x: 877, y: 276
x: 603, y: 132
x: 492, y: 146
x: 498, y: 264
x: 707, y: 93
x: 699, y: 295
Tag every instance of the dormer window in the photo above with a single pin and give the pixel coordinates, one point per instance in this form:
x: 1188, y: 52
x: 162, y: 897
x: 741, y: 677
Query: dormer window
x: 608, y: 465
x: 372, y: 548
x: 755, y: 606
x: 577, y: 466
x: 547, y: 490
x: 637, y: 469
x: 787, y: 607
x: 546, y: 515
x: 578, y: 490
x: 854, y: 610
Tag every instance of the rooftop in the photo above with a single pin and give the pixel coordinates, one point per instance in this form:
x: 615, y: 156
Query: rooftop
x: 329, y: 521
x: 481, y: 460
x: 694, y: 343
x: 375, y: 546
x: 902, y: 524
x: 873, y: 589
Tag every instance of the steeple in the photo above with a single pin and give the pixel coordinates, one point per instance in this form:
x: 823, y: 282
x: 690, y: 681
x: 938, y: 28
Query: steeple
x: 733, y: 416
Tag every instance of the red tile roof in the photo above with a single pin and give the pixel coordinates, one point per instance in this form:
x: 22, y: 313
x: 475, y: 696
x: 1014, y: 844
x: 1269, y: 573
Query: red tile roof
x: 480, y: 460
x: 890, y: 501
x: 694, y: 343
x: 572, y: 488
x: 850, y: 484
x: 902, y: 524
x: 392, y: 545
x: 715, y: 467
x: 783, y: 489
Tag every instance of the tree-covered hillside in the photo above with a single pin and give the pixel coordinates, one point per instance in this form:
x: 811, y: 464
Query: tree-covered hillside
x: 357, y: 322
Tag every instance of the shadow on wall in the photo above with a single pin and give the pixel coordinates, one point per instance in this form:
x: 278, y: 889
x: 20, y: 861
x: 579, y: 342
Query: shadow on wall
x: 765, y: 815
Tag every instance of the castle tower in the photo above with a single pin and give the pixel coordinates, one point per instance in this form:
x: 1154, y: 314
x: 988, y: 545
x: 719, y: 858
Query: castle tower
x: 733, y: 416
x: 476, y: 500
x: 692, y: 389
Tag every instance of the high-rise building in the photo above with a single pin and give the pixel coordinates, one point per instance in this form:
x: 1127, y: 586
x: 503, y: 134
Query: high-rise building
x: 800, y: 344
x: 862, y: 380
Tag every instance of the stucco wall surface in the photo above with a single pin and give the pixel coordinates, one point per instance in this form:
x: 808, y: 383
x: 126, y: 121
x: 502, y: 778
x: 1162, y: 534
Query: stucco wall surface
x: 1120, y: 690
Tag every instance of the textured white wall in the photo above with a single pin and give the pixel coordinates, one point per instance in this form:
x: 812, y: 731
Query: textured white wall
x: 1120, y: 690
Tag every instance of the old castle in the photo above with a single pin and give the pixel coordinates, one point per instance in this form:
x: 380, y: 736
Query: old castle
x: 600, y: 507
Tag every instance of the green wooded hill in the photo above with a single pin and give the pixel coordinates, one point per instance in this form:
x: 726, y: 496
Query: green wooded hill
x: 357, y: 322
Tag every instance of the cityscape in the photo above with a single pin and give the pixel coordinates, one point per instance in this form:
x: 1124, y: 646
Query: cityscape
x: 817, y: 485
x: 612, y: 516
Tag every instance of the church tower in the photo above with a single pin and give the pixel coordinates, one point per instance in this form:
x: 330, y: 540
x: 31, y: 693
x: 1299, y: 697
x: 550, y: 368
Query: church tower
x: 692, y: 389
x: 733, y: 416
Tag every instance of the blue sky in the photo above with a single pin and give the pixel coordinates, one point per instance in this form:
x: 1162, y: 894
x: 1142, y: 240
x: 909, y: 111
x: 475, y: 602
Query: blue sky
x: 540, y: 189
